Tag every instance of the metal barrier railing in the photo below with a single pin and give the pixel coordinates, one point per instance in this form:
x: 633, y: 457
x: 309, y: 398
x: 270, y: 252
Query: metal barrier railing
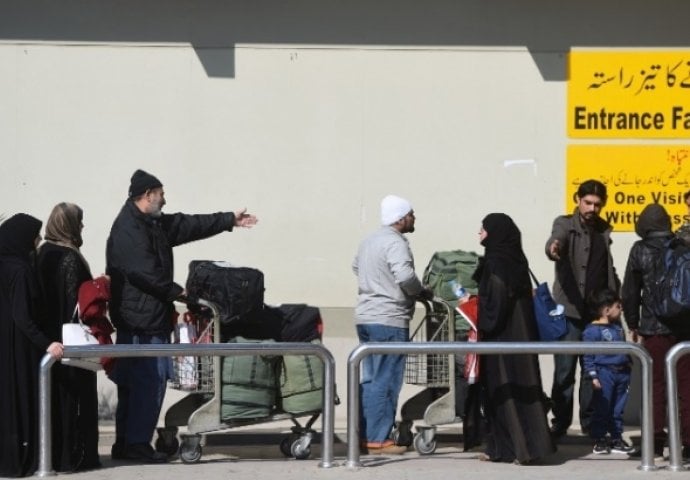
x: 494, y: 348
x: 171, y: 350
x: 674, y: 442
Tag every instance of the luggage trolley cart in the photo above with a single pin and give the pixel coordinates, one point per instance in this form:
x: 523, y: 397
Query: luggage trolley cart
x: 435, y: 405
x: 200, y: 410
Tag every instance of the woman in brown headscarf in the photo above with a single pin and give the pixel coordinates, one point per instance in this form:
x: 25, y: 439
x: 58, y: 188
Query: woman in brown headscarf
x: 516, y: 416
x: 62, y: 269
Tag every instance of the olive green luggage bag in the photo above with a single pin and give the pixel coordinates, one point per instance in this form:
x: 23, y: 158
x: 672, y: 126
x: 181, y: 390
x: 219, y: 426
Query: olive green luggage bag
x: 249, y: 385
x: 301, y: 383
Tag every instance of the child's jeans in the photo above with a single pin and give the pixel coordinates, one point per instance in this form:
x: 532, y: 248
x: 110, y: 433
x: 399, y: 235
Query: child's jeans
x: 609, y: 401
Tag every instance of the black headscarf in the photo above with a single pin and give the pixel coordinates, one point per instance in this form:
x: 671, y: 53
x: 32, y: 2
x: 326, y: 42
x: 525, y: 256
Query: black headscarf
x: 503, y: 250
x: 18, y: 235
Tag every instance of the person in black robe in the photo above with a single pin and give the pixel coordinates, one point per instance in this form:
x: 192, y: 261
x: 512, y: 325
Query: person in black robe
x: 517, y: 428
x: 22, y: 345
x: 62, y: 269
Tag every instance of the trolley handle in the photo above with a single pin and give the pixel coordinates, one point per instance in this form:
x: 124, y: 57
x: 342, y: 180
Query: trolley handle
x: 192, y: 300
x: 429, y: 304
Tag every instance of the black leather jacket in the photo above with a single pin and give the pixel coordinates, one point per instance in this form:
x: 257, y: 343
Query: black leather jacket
x: 140, y: 264
x: 636, y: 283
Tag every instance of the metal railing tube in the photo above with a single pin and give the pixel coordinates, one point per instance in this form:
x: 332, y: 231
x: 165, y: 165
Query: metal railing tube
x: 173, y: 350
x: 674, y: 443
x: 493, y: 348
x: 45, y: 418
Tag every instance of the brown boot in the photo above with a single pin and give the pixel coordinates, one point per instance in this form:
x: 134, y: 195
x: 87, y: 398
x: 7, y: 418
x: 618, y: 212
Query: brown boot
x: 387, y: 447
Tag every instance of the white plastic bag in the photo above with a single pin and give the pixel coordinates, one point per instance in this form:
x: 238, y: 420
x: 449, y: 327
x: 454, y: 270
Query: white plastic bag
x: 77, y: 334
x: 187, y: 375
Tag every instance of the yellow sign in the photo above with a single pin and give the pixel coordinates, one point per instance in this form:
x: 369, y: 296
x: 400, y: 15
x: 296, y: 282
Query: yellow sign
x: 635, y: 176
x: 629, y: 94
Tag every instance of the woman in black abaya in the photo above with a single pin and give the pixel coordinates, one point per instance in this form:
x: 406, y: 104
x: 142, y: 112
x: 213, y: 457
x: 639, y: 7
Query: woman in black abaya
x: 22, y: 344
x: 518, y: 430
x: 62, y: 269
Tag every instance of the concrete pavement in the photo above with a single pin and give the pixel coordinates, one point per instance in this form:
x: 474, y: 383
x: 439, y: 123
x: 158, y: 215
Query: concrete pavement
x: 248, y: 454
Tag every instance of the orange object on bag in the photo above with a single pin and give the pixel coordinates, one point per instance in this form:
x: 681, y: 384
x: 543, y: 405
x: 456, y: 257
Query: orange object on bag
x: 469, y: 310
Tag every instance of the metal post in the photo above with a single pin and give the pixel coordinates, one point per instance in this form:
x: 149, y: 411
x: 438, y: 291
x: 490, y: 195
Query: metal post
x: 328, y: 419
x: 674, y: 443
x: 492, y: 348
x: 45, y: 437
x: 353, y: 366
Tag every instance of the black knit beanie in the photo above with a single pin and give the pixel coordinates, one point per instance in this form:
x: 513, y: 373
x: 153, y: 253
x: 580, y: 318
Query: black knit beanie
x: 142, y: 181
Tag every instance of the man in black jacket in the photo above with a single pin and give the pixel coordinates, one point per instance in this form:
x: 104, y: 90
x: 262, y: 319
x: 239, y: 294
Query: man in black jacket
x: 140, y: 264
x: 654, y: 229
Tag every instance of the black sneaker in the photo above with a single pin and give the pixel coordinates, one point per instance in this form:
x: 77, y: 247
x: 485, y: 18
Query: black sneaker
x: 686, y: 453
x: 601, y: 447
x: 145, y: 453
x: 618, y: 445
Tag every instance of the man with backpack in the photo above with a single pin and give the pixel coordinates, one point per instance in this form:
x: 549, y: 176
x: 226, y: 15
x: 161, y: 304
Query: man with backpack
x: 139, y: 261
x: 658, y: 334
x: 580, y: 246
x: 387, y: 289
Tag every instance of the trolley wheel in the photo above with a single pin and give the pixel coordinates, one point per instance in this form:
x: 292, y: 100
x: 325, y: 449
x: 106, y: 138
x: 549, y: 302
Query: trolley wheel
x: 166, y: 445
x: 190, y: 453
x: 402, y: 434
x: 300, y: 448
x: 286, y: 444
x: 423, y: 446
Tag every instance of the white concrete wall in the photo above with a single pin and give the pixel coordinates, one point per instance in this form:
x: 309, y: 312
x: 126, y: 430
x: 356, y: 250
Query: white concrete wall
x: 307, y: 113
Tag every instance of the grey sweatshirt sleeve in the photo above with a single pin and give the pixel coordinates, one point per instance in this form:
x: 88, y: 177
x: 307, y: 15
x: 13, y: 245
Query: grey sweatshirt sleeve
x: 401, y: 264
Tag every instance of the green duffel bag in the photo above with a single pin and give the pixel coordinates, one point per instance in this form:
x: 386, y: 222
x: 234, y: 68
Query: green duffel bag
x: 248, y: 384
x: 301, y: 383
x: 442, y: 269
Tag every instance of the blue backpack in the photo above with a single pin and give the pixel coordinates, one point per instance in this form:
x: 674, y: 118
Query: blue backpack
x: 670, y: 286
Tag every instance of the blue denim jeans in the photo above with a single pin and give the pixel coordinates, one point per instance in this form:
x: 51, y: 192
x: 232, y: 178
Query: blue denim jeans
x: 381, y: 381
x: 141, y: 383
x: 609, y: 403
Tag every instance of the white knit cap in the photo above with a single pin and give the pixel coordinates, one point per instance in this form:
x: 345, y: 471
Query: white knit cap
x: 393, y: 209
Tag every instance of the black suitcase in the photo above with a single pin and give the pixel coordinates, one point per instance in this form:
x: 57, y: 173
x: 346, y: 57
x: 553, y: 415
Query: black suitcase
x: 292, y: 322
x: 301, y: 323
x: 238, y: 291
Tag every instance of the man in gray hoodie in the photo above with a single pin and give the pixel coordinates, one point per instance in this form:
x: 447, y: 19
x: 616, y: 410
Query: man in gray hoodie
x: 387, y: 289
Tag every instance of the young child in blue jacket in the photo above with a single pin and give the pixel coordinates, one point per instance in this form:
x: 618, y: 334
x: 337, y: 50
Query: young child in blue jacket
x: 610, y: 374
